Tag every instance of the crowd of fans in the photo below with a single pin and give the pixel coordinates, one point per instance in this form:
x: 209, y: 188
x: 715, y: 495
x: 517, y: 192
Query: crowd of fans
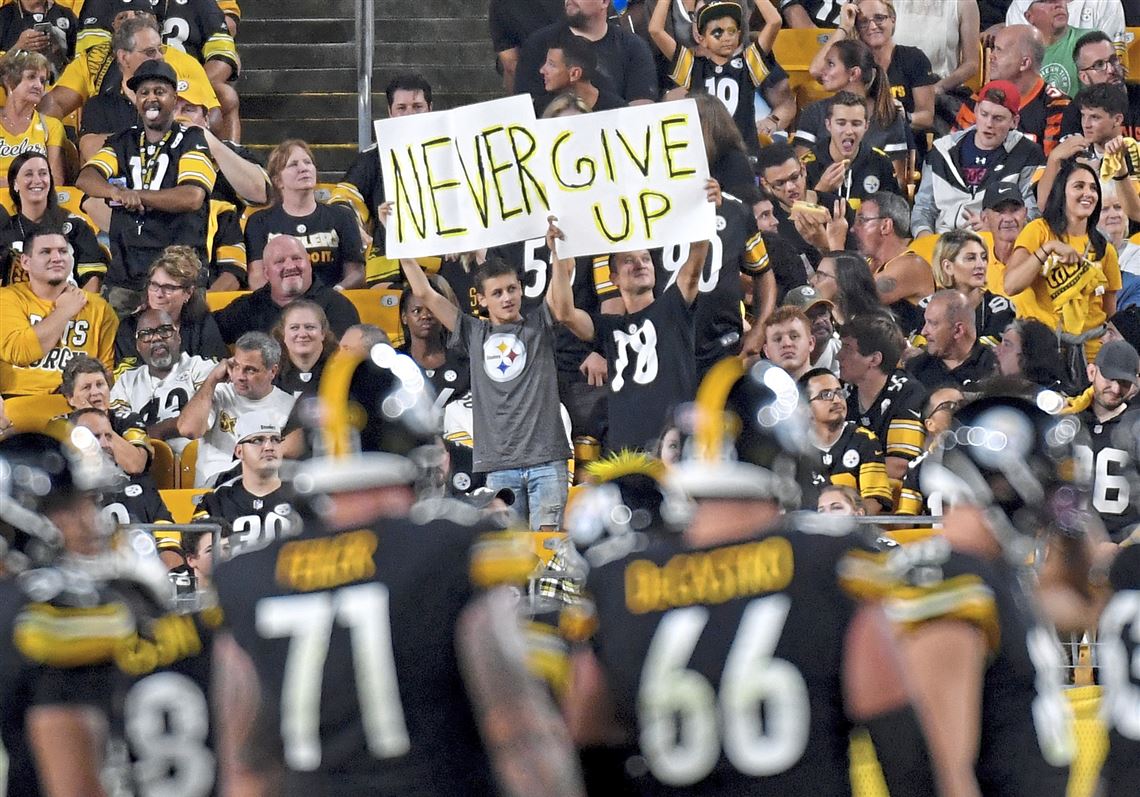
x: 895, y: 241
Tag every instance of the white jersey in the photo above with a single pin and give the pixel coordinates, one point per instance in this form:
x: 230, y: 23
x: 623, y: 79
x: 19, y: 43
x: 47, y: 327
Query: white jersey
x: 216, y: 451
x: 154, y: 399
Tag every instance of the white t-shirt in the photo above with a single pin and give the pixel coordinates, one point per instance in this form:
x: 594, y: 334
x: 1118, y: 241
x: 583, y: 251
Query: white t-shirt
x: 1106, y: 15
x: 216, y: 451
x: 155, y: 399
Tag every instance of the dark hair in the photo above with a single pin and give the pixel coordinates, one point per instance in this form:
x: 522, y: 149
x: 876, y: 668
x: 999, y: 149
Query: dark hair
x: 489, y: 269
x: 1054, y: 211
x: 718, y: 129
x: 408, y: 81
x: 876, y: 333
x: 74, y: 416
x: 847, y: 99
x: 192, y: 539
x: 1040, y: 359
x: 440, y: 285
x: 856, y: 55
x: 54, y: 216
x: 811, y: 374
x: 31, y: 235
x: 1107, y: 97
x: 81, y: 364
x: 856, y: 294
x: 749, y: 194
x: 576, y: 52
x: 775, y: 154
x: 1092, y: 37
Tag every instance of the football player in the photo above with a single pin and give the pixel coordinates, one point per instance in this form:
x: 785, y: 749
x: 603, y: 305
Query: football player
x: 1118, y: 657
x: 700, y: 653
x: 349, y: 632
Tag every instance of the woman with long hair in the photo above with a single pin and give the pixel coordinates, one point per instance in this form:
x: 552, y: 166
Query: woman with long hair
x: 844, y: 280
x: 1028, y: 350
x: 1067, y: 262
x: 724, y: 146
x: 307, y: 341
x: 329, y: 232
x: 22, y: 127
x: 960, y: 262
x: 174, y: 285
x: 845, y: 64
x: 908, y: 69
x: 32, y: 190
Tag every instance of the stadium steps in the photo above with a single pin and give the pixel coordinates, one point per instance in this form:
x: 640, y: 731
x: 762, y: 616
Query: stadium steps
x: 299, y: 68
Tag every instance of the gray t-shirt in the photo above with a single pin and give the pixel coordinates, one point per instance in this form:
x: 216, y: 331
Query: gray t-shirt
x: 514, y: 391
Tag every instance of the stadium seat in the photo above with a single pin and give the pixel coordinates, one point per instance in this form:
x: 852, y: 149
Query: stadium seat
x: 379, y: 307
x: 163, y: 467
x: 32, y: 413
x: 187, y: 465
x: 216, y: 300
x: 924, y: 245
x: 794, y: 49
x: 181, y: 503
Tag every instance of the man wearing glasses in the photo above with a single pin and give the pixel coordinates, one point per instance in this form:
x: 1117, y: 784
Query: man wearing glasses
x: 1097, y: 62
x: 253, y: 506
x: 161, y: 387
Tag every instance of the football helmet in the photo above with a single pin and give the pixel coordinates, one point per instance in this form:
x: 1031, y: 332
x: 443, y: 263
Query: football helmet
x: 374, y: 424
x: 746, y: 434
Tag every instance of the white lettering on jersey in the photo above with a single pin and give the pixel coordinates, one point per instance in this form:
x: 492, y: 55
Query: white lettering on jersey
x: 643, y: 341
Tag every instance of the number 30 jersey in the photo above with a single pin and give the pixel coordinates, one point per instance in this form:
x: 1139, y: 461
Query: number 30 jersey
x: 352, y: 635
x: 253, y: 521
x: 726, y: 663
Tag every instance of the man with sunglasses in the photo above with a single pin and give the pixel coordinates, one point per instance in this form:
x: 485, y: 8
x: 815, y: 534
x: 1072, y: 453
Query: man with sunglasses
x: 1098, y: 62
x: 842, y: 451
x: 158, y: 389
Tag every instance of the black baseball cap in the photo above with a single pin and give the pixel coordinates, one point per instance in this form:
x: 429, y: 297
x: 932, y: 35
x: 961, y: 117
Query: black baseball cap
x: 718, y: 9
x: 999, y: 193
x: 1117, y: 360
x: 153, y: 70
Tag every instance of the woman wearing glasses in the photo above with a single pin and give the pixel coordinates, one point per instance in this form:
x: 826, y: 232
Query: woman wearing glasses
x: 32, y: 189
x: 173, y: 287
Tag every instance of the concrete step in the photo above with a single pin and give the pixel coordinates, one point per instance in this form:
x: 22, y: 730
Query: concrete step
x: 458, y: 80
x: 311, y: 56
x: 417, y: 54
x: 256, y: 10
x: 323, y: 131
x: 334, y: 105
x: 272, y: 31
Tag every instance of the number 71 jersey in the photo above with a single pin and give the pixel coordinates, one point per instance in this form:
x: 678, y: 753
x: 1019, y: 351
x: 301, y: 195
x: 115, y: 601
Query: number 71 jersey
x: 726, y: 663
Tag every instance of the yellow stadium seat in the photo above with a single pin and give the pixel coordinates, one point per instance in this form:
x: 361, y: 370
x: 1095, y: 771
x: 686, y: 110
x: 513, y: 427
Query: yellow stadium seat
x: 32, y: 413
x: 216, y: 300
x: 794, y: 49
x: 1131, y: 55
x: 163, y: 468
x: 188, y: 465
x: 181, y: 503
x: 380, y: 308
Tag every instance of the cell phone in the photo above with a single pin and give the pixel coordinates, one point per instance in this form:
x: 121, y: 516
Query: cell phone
x: 42, y: 27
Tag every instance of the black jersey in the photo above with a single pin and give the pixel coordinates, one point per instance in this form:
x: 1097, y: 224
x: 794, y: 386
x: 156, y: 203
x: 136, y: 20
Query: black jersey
x: 737, y: 249
x: 913, y: 500
x: 895, y: 415
x: 824, y: 13
x: 138, y: 501
x: 992, y: 315
x: 370, y: 615
x: 1109, y: 456
x: 14, y: 20
x: 90, y: 257
x: 652, y: 368
x: 1118, y: 651
x: 362, y: 190
x: 697, y: 644
x: 197, y: 27
x: 330, y: 234
x: 56, y: 642
x: 162, y: 731
x: 855, y: 460
x: 252, y: 521
x: 869, y: 172
x: 734, y: 83
x: 980, y: 364
x: 452, y: 380
x: 1026, y: 742
x: 137, y: 239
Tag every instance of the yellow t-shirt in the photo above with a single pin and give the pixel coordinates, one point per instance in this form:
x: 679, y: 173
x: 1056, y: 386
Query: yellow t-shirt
x: 1024, y: 303
x: 25, y: 369
x: 84, y: 74
x: 42, y: 132
x: 1053, y: 293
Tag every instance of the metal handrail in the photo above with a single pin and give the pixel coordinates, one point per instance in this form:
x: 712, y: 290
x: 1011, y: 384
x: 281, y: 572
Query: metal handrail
x: 365, y: 47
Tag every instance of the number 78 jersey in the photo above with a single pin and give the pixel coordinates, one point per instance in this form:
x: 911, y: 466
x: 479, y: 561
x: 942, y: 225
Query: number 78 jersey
x: 725, y: 663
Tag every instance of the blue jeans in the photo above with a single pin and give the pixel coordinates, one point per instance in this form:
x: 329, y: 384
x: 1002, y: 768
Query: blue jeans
x: 540, y: 491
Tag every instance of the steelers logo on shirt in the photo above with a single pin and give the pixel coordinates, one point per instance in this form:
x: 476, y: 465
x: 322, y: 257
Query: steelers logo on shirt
x: 850, y: 458
x: 870, y: 183
x: 504, y: 356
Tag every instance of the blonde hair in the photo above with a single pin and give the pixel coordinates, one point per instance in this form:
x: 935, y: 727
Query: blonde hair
x: 949, y: 246
x: 16, y: 62
x: 850, y: 495
x: 280, y: 156
x: 566, y: 101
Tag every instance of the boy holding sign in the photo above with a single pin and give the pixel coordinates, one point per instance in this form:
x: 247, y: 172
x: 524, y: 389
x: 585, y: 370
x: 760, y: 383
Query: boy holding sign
x: 519, y: 439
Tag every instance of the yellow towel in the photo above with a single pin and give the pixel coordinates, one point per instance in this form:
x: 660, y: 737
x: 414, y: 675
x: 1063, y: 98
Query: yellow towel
x: 1072, y: 295
x: 1129, y: 156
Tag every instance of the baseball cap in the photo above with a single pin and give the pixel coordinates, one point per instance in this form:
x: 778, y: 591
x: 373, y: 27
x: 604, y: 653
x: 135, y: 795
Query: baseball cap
x: 1010, y: 97
x: 152, y: 70
x: 805, y: 297
x: 718, y: 9
x: 1117, y: 360
x: 255, y: 423
x: 999, y: 193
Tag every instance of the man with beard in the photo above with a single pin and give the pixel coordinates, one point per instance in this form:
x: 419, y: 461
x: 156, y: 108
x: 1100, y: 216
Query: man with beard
x: 1097, y: 62
x: 625, y: 62
x: 290, y: 276
x: 163, y: 176
x: 160, y: 388
x: 841, y: 164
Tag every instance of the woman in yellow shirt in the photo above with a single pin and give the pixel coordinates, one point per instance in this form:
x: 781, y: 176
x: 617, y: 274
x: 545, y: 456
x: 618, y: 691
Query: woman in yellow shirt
x: 22, y: 128
x: 1067, y: 263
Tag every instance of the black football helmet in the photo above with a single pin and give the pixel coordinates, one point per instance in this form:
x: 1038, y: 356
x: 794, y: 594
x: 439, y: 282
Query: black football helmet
x: 374, y: 424
x: 746, y: 434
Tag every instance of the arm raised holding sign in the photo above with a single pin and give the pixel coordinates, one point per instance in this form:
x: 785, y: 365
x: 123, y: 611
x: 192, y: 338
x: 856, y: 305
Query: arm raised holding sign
x: 441, y: 308
x: 560, y: 295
